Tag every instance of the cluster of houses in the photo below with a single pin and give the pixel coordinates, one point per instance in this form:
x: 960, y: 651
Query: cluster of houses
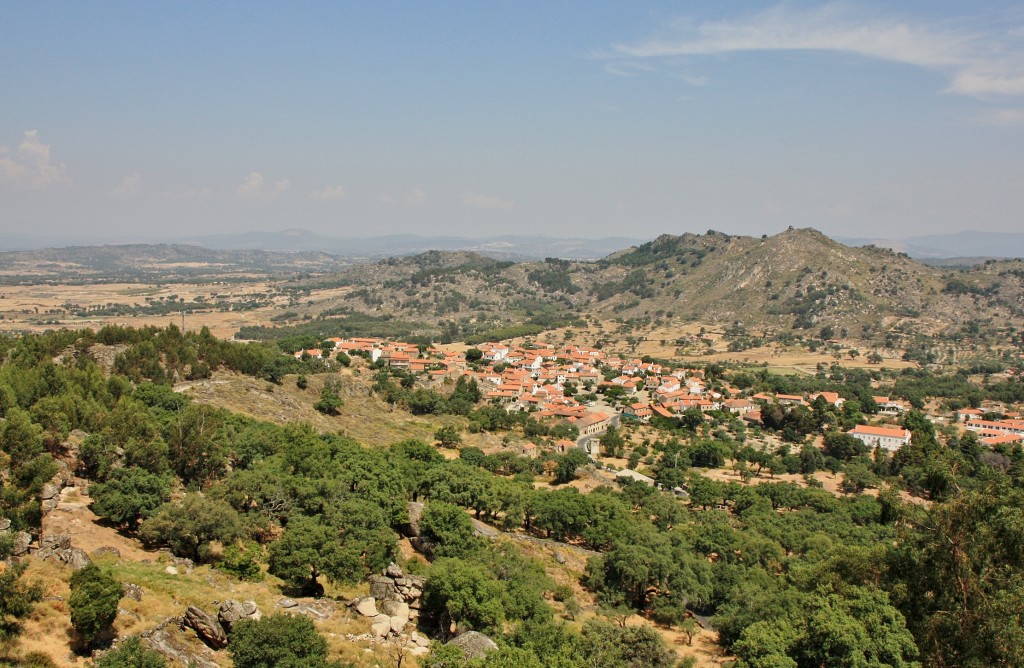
x: 545, y: 380
x: 993, y: 432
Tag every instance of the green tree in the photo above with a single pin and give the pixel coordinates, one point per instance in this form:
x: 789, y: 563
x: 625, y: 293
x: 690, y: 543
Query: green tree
x: 93, y: 603
x: 129, y: 495
x: 448, y: 436
x: 188, y: 526
x: 350, y: 541
x: 565, y: 471
x: 131, y: 653
x: 191, y: 436
x: 330, y: 401
x: 451, y: 527
x: 612, y: 442
x: 279, y: 641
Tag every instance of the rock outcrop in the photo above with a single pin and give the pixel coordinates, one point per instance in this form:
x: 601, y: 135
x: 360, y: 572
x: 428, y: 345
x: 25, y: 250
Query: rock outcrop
x: 57, y: 547
x: 207, y: 627
x: 169, y: 640
x: 231, y: 612
x: 473, y: 644
x: 393, y: 603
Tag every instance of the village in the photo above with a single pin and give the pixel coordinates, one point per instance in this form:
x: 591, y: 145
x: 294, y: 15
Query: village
x: 592, y: 391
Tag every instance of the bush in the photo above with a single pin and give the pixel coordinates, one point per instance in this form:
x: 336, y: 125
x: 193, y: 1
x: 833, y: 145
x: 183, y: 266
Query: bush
x: 242, y: 562
x: 279, y: 641
x: 131, y: 654
x: 94, y: 599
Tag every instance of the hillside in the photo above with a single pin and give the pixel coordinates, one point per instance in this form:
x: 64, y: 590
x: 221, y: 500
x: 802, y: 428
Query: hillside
x: 796, y: 283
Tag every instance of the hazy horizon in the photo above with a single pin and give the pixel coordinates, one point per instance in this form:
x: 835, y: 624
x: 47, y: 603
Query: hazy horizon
x: 569, y: 120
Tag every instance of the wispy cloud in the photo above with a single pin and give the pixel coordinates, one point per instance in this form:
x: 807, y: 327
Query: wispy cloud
x: 30, y: 164
x: 255, y: 187
x: 417, y: 196
x: 481, y: 201
x: 129, y: 185
x: 331, y: 193
x: 980, y: 63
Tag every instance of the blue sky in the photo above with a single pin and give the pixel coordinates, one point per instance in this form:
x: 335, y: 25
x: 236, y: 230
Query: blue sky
x: 157, y: 120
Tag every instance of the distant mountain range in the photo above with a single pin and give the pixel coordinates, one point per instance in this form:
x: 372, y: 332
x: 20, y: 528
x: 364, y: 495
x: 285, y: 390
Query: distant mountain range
x: 508, y: 247
x: 933, y: 248
x: 957, y: 245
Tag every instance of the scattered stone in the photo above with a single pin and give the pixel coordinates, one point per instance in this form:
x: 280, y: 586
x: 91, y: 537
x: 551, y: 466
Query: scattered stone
x: 232, y: 612
x: 50, y: 491
x: 394, y: 571
x: 130, y: 613
x: 171, y: 570
x: 5, y: 525
x: 287, y: 603
x: 559, y: 558
x: 473, y: 644
x: 132, y: 591
x: 206, y: 627
x: 183, y: 563
x: 105, y: 550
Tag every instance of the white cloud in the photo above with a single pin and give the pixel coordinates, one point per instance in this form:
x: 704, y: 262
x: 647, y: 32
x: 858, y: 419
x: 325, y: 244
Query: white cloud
x: 979, y: 63
x: 331, y: 193
x: 255, y: 187
x: 30, y: 165
x: 129, y: 184
x: 481, y: 201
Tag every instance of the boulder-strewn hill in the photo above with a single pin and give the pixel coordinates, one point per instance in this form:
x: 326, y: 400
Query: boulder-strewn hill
x: 799, y: 280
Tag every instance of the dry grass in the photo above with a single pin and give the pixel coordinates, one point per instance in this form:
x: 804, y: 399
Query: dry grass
x: 367, y: 419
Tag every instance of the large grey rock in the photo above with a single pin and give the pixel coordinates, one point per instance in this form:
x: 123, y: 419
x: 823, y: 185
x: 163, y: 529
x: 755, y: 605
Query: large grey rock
x: 398, y: 624
x: 367, y: 607
x: 395, y: 609
x: 381, y: 626
x: 50, y: 491
x: 57, y: 547
x: 231, y: 612
x: 76, y: 558
x: 5, y: 525
x: 481, y: 529
x: 206, y: 627
x: 22, y: 542
x: 394, y: 571
x: 415, y: 512
x: 169, y: 640
x: 473, y: 644
x: 52, y: 542
x: 382, y: 588
x: 423, y: 545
